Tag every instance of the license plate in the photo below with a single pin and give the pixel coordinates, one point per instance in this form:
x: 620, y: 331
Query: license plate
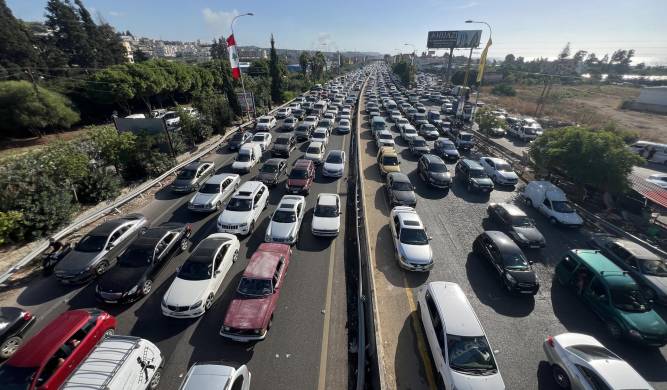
x: 526, y: 292
x: 108, y: 301
x: 534, y: 246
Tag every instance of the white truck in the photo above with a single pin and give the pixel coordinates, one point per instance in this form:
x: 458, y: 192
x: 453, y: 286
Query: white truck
x: 552, y: 202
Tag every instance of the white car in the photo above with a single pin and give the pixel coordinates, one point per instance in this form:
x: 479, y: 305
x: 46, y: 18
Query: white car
x: 659, y: 179
x: 334, y: 163
x: 214, y: 192
x: 326, y: 216
x: 462, y: 355
x: 499, y: 170
x: 263, y: 139
x: 345, y: 114
x: 400, y: 122
x: 395, y: 115
x: 411, y: 243
x: 244, y: 208
x: 286, y: 220
x: 320, y: 135
x: 265, y: 123
x: 216, y: 376
x: 283, y: 112
x: 344, y: 126
x: 408, y: 132
x: 193, y: 290
x: 330, y: 115
x: 295, y: 106
x: 171, y: 119
x: 315, y: 152
x: 384, y: 138
x: 311, y: 120
x: 573, y: 354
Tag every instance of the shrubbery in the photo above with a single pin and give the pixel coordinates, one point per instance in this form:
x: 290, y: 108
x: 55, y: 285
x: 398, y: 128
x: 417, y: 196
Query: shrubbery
x: 503, y: 90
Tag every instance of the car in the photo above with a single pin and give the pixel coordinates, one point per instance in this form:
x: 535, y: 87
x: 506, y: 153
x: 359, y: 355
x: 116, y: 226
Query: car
x: 326, y: 216
x: 171, y: 119
x: 659, y: 179
x: 613, y: 295
x: 400, y: 122
x: 298, y: 113
x: 285, y: 222
x: 265, y: 123
x: 283, y: 112
x: 303, y: 131
x: 428, y: 131
x: 433, y: 171
x: 387, y: 160
x: 301, y: 177
x: 509, y: 262
x: 311, y: 120
x: 643, y: 265
x: 552, y: 202
x: 325, y: 123
x: 250, y: 313
x: 473, y: 176
x: 462, y: 355
x: 263, y: 139
x: 334, y: 163
x: 400, y: 190
x: 330, y: 115
x: 98, y: 250
x: 216, y: 376
x: 445, y: 149
x: 192, y: 176
x: 244, y: 208
x: 384, y: 138
x: 46, y: 360
x: 248, y: 156
x: 214, y: 192
x: 411, y: 243
x: 499, y: 170
x: 497, y: 132
x: 344, y: 126
x: 464, y: 140
x: 15, y: 324
x: 513, y: 221
x: 572, y: 354
x: 197, y: 281
x: 320, y: 135
x: 345, y: 115
x: 408, y: 132
x: 418, y: 146
x: 395, y: 115
x: 290, y: 123
x: 315, y: 152
x: 133, y: 275
x: 272, y: 171
x: 283, y: 145
x: 239, y: 138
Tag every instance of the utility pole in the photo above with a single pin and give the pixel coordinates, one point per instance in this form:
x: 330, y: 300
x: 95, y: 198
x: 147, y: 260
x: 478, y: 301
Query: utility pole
x: 449, y: 65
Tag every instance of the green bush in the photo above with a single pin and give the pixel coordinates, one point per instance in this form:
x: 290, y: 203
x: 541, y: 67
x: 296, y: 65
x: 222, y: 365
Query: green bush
x: 289, y: 95
x: 503, y: 90
x: 150, y: 158
x: 9, y: 222
x: 98, y: 186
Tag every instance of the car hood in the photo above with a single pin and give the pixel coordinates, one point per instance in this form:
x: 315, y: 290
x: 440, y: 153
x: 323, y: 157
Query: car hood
x: 508, y: 175
x: 483, y: 181
x: 391, y: 168
x: 440, y: 176
x: 648, y: 322
x: 523, y: 276
x: 333, y: 167
x: 240, y: 164
x: 267, y: 176
x: 417, y: 254
x: 450, y: 152
x: 185, y: 292
x: 181, y: 183
x: 76, y: 261
x: 281, y: 230
x: 234, y: 217
x: 659, y: 283
x: 405, y: 196
x: 121, y: 279
x: 247, y: 313
x: 477, y: 382
x: 325, y: 223
x: 530, y: 233
x: 200, y: 198
x: 568, y: 218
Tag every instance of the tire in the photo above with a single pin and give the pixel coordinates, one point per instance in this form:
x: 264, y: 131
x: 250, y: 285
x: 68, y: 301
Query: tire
x: 529, y: 202
x: 147, y: 287
x: 209, y: 302
x: 10, y: 346
x: 184, y: 245
x: 109, y: 332
x: 560, y: 377
x: 102, y: 267
x: 614, y: 330
x: 235, y: 257
x: 155, y: 380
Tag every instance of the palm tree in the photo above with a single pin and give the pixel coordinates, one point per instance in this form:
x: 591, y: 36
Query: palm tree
x: 304, y: 61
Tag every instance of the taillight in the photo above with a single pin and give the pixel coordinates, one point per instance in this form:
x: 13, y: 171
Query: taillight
x: 550, y: 341
x: 188, y: 227
x: 27, y: 316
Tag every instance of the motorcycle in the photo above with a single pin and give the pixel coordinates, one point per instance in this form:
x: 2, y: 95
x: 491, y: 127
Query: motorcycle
x: 49, y: 260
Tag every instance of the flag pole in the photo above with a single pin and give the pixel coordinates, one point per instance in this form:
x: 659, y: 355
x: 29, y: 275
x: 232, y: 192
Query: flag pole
x: 245, y: 96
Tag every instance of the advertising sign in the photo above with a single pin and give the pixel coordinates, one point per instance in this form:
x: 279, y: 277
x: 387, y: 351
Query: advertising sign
x: 453, y: 39
x: 247, y: 101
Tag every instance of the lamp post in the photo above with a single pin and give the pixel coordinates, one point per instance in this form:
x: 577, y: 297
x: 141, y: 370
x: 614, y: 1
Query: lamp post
x: 245, y: 96
x: 479, y: 87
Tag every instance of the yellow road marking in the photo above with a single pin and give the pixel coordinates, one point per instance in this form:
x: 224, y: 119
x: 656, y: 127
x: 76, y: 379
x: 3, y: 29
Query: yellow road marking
x: 421, y: 337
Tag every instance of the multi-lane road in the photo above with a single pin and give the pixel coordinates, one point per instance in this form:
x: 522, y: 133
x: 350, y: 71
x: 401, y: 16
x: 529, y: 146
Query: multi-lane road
x: 307, y: 345
x: 516, y: 326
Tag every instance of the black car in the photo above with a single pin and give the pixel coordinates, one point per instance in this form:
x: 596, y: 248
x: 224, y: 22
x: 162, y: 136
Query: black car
x: 433, y: 171
x: 239, y: 139
x: 400, y: 190
x: 298, y: 113
x: 133, y: 275
x: 419, y: 146
x: 14, y: 323
x: 472, y: 174
x: 513, y: 221
x: 445, y: 149
x: 508, y: 260
x: 272, y: 170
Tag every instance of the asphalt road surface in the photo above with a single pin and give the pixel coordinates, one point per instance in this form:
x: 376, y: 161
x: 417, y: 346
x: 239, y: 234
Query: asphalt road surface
x: 306, y: 347
x: 515, y: 325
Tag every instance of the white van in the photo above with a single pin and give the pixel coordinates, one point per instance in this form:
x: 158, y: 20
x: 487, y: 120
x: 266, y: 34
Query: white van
x: 118, y: 363
x: 249, y: 155
x: 320, y: 107
x: 552, y: 202
x: 651, y: 151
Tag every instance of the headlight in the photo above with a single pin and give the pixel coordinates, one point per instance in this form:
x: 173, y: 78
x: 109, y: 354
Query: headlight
x: 521, y: 237
x: 225, y: 328
x: 243, y: 224
x: 132, y: 290
x: 258, y: 331
x: 510, y: 278
x: 635, y: 334
x: 196, y: 305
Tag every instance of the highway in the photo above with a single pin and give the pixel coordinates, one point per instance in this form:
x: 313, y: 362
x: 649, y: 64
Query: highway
x: 307, y: 345
x: 516, y: 326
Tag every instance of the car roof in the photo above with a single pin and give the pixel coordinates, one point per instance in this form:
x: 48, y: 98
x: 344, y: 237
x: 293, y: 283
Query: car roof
x: 432, y: 158
x: 289, y: 202
x: 511, y: 209
x: 408, y: 217
x: 248, y: 187
x: 606, y: 269
x: 206, y: 248
x: 635, y: 249
x: 472, y: 164
x: 107, y: 227
x: 303, y: 163
x: 445, y: 140
x: 263, y: 262
x: 618, y: 374
x: 274, y: 161
x: 201, y: 376
x: 457, y: 313
x: 502, y: 241
x: 327, y: 199
x: 219, y: 178
x: 152, y: 235
x: 399, y: 176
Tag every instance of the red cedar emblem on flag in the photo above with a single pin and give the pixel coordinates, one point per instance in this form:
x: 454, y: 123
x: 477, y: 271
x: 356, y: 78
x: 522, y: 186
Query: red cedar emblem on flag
x: 233, y: 57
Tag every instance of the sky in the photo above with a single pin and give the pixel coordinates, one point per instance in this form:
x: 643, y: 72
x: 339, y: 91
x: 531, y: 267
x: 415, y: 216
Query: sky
x: 528, y: 28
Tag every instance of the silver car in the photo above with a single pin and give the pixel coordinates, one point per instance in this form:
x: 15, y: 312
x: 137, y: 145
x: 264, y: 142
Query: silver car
x: 286, y: 220
x: 192, y: 176
x: 214, y: 192
x: 411, y: 243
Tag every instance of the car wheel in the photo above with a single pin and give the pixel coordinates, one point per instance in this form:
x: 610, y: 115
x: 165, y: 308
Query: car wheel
x: 553, y: 221
x: 184, y: 245
x: 10, y: 346
x: 155, y: 380
x: 560, y: 377
x: 209, y: 302
x: 102, y: 267
x: 218, y: 206
x: 146, y: 288
x: 529, y: 202
x: 614, y: 330
x: 109, y: 332
x: 236, y: 256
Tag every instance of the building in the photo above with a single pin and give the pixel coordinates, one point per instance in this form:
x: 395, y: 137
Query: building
x: 651, y: 99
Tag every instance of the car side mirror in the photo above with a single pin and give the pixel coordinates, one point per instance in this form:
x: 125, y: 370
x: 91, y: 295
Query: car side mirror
x: 430, y: 238
x: 110, y: 246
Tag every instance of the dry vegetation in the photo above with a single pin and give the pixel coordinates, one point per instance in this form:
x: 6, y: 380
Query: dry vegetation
x: 589, y: 105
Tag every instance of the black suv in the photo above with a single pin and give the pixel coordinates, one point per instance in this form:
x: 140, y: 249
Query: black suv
x: 433, y: 171
x: 283, y: 145
x: 239, y: 139
x: 472, y: 174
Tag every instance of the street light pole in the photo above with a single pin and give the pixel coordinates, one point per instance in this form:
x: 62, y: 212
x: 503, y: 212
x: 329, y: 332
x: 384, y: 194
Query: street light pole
x: 245, y: 96
x: 479, y: 87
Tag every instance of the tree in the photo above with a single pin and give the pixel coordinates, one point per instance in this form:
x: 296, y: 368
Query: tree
x: 579, y: 56
x: 565, y: 52
x: 111, y: 146
x: 259, y: 68
x: 595, y: 158
x: 488, y: 121
x: 276, y: 74
x: 304, y: 61
x: 113, y: 85
x: 459, y: 77
x: 405, y: 71
x: 214, y: 110
x: 16, y: 43
x: 503, y: 90
x: 140, y: 56
x: 68, y: 33
x: 147, y: 82
x: 317, y: 65
x: 26, y: 109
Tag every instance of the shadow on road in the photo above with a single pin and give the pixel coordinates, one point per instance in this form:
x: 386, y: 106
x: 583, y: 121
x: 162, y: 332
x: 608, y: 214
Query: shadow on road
x: 407, y: 361
x: 43, y: 289
x: 545, y: 379
x: 386, y: 262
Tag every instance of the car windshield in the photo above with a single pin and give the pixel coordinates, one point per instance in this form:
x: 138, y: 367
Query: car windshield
x: 243, y: 157
x: 186, y: 174
x: 282, y: 141
x: 516, y: 262
x: 238, y: 137
x: 419, y: 143
x: 91, y: 243
x: 326, y: 211
x: 335, y: 158
x: 210, y: 189
x: 264, y: 120
x: 136, y: 257
x: 466, y: 137
x: 284, y: 216
x: 414, y: 237
x: 16, y: 378
x: 402, y: 186
x: 323, y: 123
x: 390, y: 160
x: 259, y: 138
x: 522, y: 221
x: 269, y: 168
x: 654, y: 267
x: 313, y: 150
x: 298, y: 174
x: 470, y: 354
x: 502, y: 167
x: 385, y: 136
x: 440, y: 168
x: 319, y: 135
x: 196, y: 270
x: 629, y: 297
x: 255, y: 287
x: 410, y: 131
x: 447, y: 146
x: 562, y: 206
x: 477, y: 173
x: 239, y: 204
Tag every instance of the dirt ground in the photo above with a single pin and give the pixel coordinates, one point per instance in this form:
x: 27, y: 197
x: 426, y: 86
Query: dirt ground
x: 591, y: 105
x: 10, y: 147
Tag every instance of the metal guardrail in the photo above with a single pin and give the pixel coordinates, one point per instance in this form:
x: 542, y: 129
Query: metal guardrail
x: 123, y: 199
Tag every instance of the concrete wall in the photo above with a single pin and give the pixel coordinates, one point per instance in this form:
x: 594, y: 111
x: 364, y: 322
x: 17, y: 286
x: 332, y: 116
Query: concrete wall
x: 653, y: 96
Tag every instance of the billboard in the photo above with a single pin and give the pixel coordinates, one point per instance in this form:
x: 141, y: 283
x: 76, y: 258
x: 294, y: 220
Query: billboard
x: 246, y: 98
x: 139, y: 125
x: 453, y: 39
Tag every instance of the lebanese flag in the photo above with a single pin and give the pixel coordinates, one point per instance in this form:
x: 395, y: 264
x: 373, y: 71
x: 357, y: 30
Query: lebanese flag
x: 233, y: 57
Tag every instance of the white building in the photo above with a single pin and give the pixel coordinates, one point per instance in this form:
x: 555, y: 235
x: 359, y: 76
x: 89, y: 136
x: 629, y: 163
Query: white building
x: 653, y: 95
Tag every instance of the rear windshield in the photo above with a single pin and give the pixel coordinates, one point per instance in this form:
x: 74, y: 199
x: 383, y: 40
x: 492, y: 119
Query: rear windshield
x: 186, y: 174
x: 91, y: 244
x: 210, y: 189
x: 313, y: 150
x: 298, y: 174
x: 282, y: 141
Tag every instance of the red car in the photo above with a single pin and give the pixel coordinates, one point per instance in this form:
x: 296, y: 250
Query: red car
x: 301, y: 177
x: 250, y: 313
x: 49, y: 357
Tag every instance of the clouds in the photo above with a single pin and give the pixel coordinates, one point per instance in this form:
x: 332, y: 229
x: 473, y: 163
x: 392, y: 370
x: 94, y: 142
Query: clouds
x: 116, y: 13
x: 469, y: 4
x: 218, y: 22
